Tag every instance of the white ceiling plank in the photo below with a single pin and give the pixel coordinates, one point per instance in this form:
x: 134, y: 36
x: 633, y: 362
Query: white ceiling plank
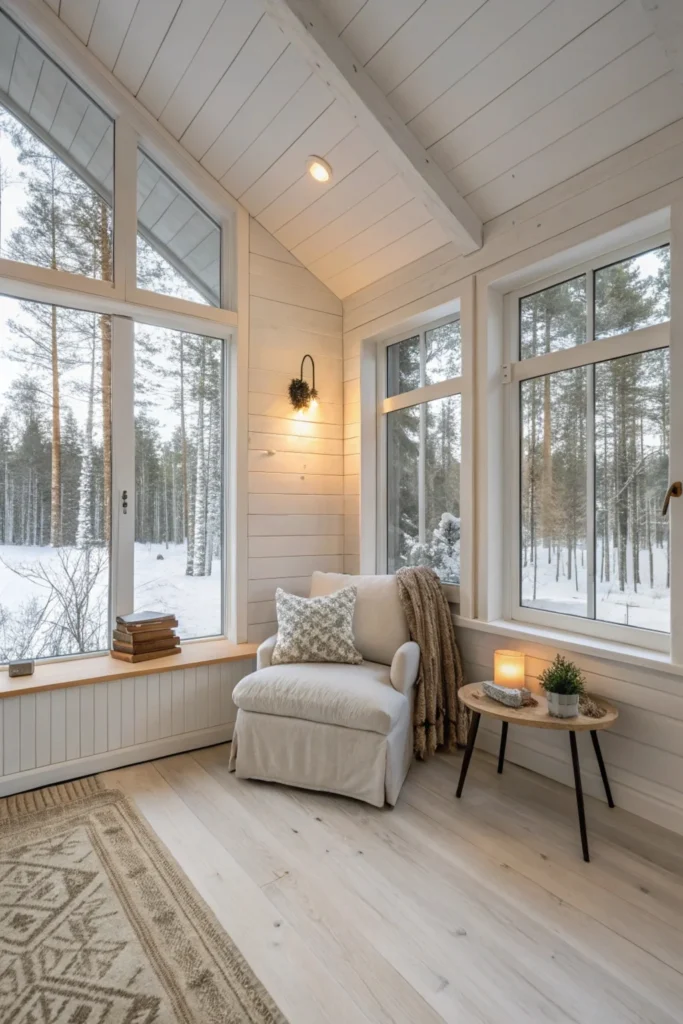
x: 407, y: 249
x: 623, y: 77
x: 658, y: 105
x: 537, y: 43
x: 341, y: 12
x: 51, y: 85
x: 189, y: 28
x: 616, y: 33
x: 377, y: 236
x: 666, y: 18
x: 375, y: 23
x: 274, y: 90
x: 79, y: 16
x: 9, y: 40
x: 368, y: 211
x: 416, y: 40
x: 304, y: 25
x: 335, y: 201
x: 145, y: 34
x: 28, y: 62
x: 230, y: 31
x: 261, y: 51
x: 349, y: 154
x: 109, y: 30
x: 322, y: 137
x: 303, y: 110
x: 479, y: 36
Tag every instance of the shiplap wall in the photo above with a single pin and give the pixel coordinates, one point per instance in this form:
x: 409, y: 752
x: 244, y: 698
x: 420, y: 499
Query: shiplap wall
x: 643, y: 751
x: 61, y: 734
x: 295, y: 494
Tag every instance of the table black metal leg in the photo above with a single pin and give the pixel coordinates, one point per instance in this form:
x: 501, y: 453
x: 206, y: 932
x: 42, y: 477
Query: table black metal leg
x: 468, y: 751
x: 601, y: 766
x: 501, y: 752
x: 579, y: 795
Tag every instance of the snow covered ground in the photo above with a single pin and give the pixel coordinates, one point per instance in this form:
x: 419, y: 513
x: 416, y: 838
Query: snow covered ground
x: 163, y: 586
x: 647, y: 609
x: 160, y: 585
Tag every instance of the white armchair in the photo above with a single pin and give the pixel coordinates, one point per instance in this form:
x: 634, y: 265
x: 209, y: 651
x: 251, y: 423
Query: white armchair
x: 339, y: 728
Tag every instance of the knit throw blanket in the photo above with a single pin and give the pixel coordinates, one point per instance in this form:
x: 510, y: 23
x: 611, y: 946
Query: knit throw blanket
x: 441, y: 720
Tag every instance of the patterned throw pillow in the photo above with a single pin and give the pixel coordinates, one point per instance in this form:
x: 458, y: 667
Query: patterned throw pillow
x: 315, y: 628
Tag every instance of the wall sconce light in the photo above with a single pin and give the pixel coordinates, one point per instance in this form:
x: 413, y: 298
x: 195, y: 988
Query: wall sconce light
x: 303, y: 395
x: 508, y: 668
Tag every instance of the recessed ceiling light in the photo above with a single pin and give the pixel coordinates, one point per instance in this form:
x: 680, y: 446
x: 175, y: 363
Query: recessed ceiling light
x: 319, y: 168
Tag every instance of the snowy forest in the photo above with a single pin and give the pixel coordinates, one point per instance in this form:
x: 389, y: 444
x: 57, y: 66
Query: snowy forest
x: 423, y: 442
x: 55, y: 431
x: 624, y: 404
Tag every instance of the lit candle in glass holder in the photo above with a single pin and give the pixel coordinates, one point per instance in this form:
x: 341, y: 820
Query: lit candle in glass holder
x: 508, y: 669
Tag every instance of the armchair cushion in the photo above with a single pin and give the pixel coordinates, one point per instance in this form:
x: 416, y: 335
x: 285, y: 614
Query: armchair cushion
x: 353, y: 696
x: 405, y: 667
x: 318, y: 629
x: 379, y: 624
x: 265, y: 652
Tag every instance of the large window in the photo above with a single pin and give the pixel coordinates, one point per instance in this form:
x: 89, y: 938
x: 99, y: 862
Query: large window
x: 590, y: 363
x: 179, y: 477
x: 179, y: 246
x: 56, y: 164
x: 55, y: 480
x: 112, y: 411
x: 422, y: 413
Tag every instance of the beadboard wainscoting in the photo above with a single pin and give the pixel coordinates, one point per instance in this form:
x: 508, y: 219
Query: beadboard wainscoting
x: 54, y: 735
x: 296, y: 471
x: 643, y: 751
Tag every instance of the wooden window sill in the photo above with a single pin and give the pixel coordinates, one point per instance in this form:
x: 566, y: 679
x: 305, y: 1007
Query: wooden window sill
x: 101, y: 668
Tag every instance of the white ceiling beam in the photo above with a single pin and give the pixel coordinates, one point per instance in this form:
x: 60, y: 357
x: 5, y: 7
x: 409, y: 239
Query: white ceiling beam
x: 666, y: 18
x: 329, y: 57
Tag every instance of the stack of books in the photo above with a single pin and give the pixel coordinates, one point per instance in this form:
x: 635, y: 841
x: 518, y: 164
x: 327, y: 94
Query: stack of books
x: 142, y: 636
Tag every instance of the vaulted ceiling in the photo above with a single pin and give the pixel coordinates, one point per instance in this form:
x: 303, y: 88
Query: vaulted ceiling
x: 508, y: 98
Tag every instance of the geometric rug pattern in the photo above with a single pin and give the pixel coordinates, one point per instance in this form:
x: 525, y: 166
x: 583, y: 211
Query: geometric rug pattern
x: 98, y: 924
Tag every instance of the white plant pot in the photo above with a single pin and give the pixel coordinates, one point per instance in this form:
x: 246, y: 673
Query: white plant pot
x: 563, y: 705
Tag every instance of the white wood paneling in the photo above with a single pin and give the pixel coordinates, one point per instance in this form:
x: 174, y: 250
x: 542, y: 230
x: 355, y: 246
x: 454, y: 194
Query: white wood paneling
x: 641, y: 751
x: 296, y: 464
x: 60, y: 734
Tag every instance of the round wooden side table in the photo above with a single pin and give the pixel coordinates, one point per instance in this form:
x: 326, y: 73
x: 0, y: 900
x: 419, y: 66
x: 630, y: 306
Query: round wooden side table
x: 537, y: 717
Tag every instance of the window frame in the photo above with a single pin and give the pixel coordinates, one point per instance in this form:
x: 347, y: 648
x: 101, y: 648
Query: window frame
x: 418, y: 396
x: 127, y: 304
x: 589, y: 354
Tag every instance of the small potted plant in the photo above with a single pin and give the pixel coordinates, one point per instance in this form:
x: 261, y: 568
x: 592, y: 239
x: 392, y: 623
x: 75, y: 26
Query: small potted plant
x: 563, y: 683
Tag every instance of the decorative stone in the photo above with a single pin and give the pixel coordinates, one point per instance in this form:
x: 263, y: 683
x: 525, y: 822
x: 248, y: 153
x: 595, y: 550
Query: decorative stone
x: 506, y: 695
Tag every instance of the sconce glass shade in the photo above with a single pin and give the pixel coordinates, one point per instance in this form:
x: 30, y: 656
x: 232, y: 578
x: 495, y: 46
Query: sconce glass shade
x: 509, y: 669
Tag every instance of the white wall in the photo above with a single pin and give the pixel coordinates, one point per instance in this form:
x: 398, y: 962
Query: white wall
x: 54, y: 735
x: 644, y: 753
x: 296, y: 494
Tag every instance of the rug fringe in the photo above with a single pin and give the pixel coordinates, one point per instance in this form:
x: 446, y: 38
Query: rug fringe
x: 64, y: 793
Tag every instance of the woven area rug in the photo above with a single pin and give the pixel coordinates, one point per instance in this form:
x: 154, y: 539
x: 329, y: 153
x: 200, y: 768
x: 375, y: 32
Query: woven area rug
x: 98, y: 925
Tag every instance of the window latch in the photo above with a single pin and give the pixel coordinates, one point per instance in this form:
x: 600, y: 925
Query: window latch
x: 124, y: 502
x: 675, y: 491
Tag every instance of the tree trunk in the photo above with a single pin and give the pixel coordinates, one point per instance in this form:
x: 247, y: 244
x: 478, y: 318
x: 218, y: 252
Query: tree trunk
x: 105, y: 334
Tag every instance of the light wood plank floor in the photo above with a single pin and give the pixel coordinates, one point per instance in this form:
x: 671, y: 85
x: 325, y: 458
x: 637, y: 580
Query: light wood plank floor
x: 479, y: 910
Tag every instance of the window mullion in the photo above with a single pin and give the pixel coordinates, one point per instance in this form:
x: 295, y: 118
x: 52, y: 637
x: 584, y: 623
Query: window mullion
x: 125, y: 208
x: 421, y: 469
x: 590, y: 452
x: 123, y: 466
